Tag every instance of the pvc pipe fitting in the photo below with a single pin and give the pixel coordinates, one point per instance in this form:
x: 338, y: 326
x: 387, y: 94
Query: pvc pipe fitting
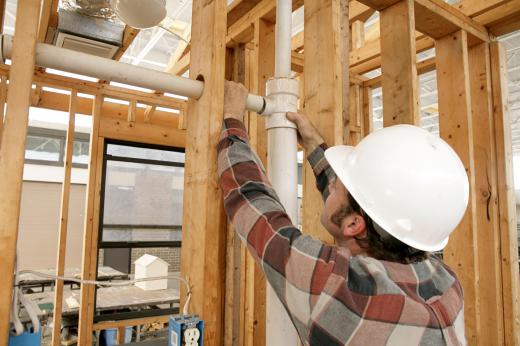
x: 282, y: 97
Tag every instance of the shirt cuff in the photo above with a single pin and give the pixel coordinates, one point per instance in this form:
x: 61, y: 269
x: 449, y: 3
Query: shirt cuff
x: 317, y: 158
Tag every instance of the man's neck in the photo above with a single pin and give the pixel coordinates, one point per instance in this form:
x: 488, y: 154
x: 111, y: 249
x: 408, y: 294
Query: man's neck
x: 352, y: 245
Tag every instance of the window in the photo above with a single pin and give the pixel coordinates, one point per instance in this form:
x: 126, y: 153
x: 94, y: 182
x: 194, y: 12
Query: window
x: 141, y: 213
x: 47, y: 147
x: 142, y: 196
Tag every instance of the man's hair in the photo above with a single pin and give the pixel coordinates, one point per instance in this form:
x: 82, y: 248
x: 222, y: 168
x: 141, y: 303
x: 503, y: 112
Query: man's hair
x: 378, y: 243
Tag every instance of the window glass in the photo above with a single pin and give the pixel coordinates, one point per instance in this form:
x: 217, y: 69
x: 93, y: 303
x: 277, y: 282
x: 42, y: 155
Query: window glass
x: 80, y: 152
x: 43, y: 148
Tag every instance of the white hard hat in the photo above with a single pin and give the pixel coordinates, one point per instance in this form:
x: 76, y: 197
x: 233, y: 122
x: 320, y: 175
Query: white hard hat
x: 410, y: 182
x: 140, y: 14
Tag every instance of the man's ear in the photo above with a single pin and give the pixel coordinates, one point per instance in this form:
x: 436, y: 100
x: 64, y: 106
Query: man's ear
x: 353, y: 225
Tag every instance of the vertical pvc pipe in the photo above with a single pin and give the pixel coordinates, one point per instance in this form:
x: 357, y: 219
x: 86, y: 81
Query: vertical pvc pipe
x: 282, y: 166
x: 282, y: 67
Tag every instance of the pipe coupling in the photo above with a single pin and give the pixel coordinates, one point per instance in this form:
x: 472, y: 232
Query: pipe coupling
x: 282, y: 97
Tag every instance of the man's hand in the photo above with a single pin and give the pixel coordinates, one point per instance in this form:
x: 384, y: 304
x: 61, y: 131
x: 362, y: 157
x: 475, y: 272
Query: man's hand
x: 308, y: 136
x: 235, y: 96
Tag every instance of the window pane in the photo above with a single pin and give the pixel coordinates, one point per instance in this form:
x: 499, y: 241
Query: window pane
x: 145, y: 153
x: 143, y: 202
x: 40, y: 147
x: 80, y: 153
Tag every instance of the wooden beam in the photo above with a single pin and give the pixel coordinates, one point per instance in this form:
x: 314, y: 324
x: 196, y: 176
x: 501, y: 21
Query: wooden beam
x: 378, y: 5
x: 357, y: 34
x: 179, y: 50
x: 132, y: 322
x: 132, y: 106
x: 60, y: 102
x: 238, y: 8
x: 12, y: 150
x: 358, y: 11
x: 2, y: 14
x: 51, y: 23
x: 121, y: 331
x: 424, y: 66
x: 47, y: 8
x: 506, y: 197
x: 326, y: 92
x: 236, y: 67
x: 204, y: 227
x: 399, y: 72
x: 456, y: 128
x: 488, y: 233
x: 182, y: 65
x: 368, y: 57
x: 368, y: 122
x: 129, y: 36
x: 437, y: 19
x: 477, y: 7
x: 262, y: 68
x: 64, y: 218
x: 44, y: 79
x: 3, y: 99
x: 91, y: 229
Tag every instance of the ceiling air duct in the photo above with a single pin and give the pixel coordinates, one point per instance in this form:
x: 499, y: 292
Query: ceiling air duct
x: 89, y: 27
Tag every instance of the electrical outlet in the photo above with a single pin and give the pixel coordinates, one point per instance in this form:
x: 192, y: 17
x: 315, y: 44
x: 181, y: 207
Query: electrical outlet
x: 191, y: 337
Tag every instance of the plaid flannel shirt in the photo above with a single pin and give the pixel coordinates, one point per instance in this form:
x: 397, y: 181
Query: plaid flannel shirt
x: 332, y: 297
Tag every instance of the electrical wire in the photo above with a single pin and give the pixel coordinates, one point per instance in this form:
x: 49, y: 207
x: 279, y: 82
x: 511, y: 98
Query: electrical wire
x: 118, y: 283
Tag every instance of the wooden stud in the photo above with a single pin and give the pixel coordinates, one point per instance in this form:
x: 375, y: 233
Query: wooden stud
x: 121, y: 331
x: 399, y: 73
x: 12, y: 149
x: 3, y: 99
x: 455, y: 123
x: 487, y: 13
x: 52, y: 23
x: 2, y: 14
x: 326, y: 92
x: 355, y: 114
x: 47, y: 7
x: 129, y: 35
x: 236, y: 71
x: 36, y: 96
x: 64, y: 218
x: 368, y: 122
x: 149, y: 112
x: 181, y: 46
x: 506, y: 197
x: 357, y: 34
x: 131, y: 111
x: 91, y: 229
x: 262, y: 68
x: 488, y: 234
x: 204, y: 227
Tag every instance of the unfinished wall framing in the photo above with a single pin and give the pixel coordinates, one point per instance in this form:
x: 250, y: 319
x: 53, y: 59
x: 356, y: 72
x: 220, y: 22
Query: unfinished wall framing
x: 231, y: 296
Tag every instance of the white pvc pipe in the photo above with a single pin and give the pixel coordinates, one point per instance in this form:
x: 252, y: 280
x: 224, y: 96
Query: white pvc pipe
x: 282, y: 67
x: 50, y: 56
x: 282, y: 167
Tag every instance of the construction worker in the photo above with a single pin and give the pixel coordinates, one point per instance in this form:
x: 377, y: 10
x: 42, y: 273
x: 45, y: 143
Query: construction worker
x: 389, y: 202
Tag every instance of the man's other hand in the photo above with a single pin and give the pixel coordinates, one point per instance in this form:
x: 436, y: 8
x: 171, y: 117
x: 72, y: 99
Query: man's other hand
x: 308, y: 136
x: 235, y: 96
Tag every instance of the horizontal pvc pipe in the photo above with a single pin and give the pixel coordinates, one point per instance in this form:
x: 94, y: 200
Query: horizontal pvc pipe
x: 67, y: 60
